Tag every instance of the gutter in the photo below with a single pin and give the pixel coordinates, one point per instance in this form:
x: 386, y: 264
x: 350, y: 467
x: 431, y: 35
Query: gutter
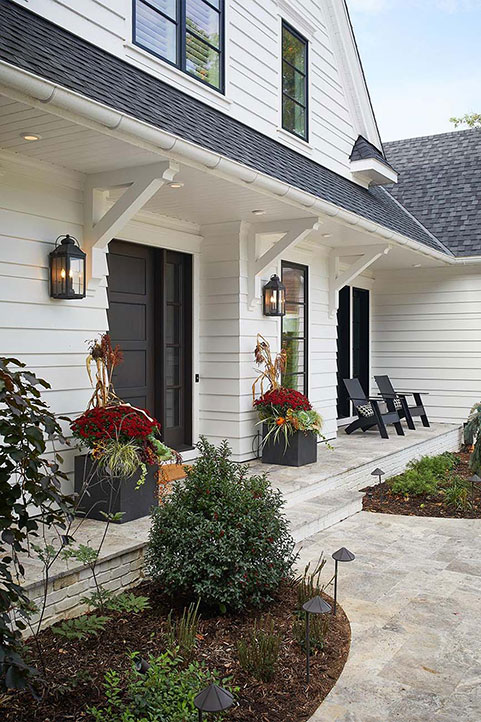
x: 67, y: 101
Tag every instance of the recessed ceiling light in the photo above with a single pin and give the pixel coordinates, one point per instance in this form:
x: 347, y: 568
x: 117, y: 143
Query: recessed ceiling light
x: 30, y: 136
x: 416, y: 265
x: 176, y: 184
x: 258, y: 212
x: 327, y: 235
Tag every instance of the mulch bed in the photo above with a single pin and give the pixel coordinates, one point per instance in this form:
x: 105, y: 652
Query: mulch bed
x: 379, y: 498
x: 285, y: 699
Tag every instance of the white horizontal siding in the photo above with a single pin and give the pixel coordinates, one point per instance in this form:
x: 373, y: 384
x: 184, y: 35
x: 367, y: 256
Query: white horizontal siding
x: 252, y: 63
x: 426, y: 334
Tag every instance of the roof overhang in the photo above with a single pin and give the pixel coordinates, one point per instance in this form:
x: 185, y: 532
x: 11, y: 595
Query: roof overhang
x: 40, y: 92
x: 373, y: 172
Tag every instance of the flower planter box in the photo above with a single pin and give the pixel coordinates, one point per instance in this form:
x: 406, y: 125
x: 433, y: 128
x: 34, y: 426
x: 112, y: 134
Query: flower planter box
x: 302, y: 449
x: 114, y: 494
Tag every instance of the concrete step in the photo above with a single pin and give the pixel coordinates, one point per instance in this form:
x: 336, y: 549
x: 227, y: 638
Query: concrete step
x: 320, y: 512
x: 349, y: 469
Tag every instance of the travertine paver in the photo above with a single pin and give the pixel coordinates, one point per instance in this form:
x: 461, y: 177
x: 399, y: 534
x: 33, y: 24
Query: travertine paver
x: 413, y: 596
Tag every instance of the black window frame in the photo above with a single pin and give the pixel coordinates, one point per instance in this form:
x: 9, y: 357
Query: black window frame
x: 181, y: 33
x: 287, y: 26
x: 305, y: 304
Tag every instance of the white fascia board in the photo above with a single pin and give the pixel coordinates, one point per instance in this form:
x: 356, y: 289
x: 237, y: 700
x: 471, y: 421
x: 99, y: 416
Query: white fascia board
x: 373, y: 171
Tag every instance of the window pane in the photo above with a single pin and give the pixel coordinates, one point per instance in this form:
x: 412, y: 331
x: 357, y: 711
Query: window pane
x: 294, y: 84
x: 172, y: 366
x: 293, y: 321
x: 201, y: 60
x: 155, y: 32
x: 172, y: 407
x: 293, y: 117
x: 293, y: 50
x: 168, y: 7
x: 172, y: 324
x: 294, y: 381
x: 172, y: 282
x: 203, y: 21
x: 293, y: 280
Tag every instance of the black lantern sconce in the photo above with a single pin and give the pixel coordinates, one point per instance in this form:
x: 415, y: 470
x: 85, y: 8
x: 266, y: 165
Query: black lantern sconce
x: 67, y: 269
x: 213, y: 699
x: 274, y: 297
x: 342, y: 555
x: 317, y: 605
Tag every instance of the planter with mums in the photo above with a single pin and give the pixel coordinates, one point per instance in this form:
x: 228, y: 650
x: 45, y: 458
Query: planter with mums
x: 290, y: 427
x: 118, y: 479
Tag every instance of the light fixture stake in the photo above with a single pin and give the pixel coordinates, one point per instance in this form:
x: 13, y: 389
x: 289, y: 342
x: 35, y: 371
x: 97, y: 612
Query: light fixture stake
x: 342, y: 555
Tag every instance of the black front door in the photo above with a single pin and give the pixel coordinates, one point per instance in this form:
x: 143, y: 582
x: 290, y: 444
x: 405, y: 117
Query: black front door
x: 353, y: 339
x: 343, y: 351
x: 149, y: 316
x: 360, y: 336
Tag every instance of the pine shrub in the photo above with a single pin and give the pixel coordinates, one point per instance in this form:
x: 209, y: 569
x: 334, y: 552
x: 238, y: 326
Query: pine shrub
x: 221, y: 535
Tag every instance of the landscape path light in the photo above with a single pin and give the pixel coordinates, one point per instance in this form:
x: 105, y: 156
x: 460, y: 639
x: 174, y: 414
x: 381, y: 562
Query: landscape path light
x: 379, y: 473
x: 474, y: 479
x: 213, y: 699
x: 317, y: 605
x: 342, y: 555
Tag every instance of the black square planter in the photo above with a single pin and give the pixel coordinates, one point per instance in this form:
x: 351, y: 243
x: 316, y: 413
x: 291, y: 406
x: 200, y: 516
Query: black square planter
x: 301, y: 450
x: 114, y: 494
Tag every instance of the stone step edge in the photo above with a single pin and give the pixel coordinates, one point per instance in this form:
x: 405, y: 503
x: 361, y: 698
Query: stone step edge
x: 327, y: 519
x: 326, y: 484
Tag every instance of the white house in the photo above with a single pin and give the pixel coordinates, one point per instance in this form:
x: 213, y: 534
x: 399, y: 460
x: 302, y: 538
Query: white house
x: 194, y: 148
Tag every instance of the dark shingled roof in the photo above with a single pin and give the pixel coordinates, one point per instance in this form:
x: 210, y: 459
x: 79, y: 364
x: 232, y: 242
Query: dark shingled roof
x: 440, y: 184
x: 32, y: 43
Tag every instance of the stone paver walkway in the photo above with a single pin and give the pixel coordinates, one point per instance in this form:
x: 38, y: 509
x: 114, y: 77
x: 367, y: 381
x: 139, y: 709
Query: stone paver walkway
x: 413, y: 596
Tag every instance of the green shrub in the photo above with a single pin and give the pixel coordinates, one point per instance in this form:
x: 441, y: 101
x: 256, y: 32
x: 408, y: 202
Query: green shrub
x: 183, y: 633
x: 457, y: 494
x: 309, y: 586
x: 127, y: 602
x: 259, y: 651
x: 164, y: 693
x: 424, y: 475
x: 81, y: 627
x: 221, y: 535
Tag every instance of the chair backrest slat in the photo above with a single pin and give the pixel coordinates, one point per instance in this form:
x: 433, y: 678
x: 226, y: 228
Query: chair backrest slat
x: 385, y: 386
x: 355, y: 391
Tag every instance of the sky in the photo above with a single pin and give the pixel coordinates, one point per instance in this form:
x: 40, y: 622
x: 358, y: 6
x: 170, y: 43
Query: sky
x: 422, y: 60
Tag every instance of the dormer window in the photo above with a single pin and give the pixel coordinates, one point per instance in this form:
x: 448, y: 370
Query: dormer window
x: 184, y: 33
x: 294, y: 82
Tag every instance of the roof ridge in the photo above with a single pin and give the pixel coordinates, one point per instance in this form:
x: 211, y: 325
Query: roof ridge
x: 433, y: 135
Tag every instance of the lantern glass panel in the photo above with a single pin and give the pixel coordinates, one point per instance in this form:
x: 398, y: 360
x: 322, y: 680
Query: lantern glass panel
x: 76, y: 276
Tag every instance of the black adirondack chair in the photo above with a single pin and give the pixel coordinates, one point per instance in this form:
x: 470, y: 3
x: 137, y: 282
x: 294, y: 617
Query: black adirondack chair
x: 397, y: 401
x: 368, y: 412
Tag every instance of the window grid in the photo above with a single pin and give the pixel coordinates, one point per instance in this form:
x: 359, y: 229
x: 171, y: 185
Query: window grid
x: 287, y: 29
x: 182, y: 31
x: 287, y: 337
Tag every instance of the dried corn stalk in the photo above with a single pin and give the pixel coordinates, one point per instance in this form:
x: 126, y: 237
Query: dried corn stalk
x: 273, y: 367
x: 106, y: 359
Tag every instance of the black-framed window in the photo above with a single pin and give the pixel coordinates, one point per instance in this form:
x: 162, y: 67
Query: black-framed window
x: 294, y: 82
x: 186, y: 33
x: 295, y: 326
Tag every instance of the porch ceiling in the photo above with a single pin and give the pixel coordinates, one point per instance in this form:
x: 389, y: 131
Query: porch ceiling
x: 205, y: 197
x: 63, y: 142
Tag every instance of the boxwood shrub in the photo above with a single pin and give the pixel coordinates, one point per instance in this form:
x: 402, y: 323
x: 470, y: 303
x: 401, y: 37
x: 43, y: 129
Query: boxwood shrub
x: 221, y: 535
